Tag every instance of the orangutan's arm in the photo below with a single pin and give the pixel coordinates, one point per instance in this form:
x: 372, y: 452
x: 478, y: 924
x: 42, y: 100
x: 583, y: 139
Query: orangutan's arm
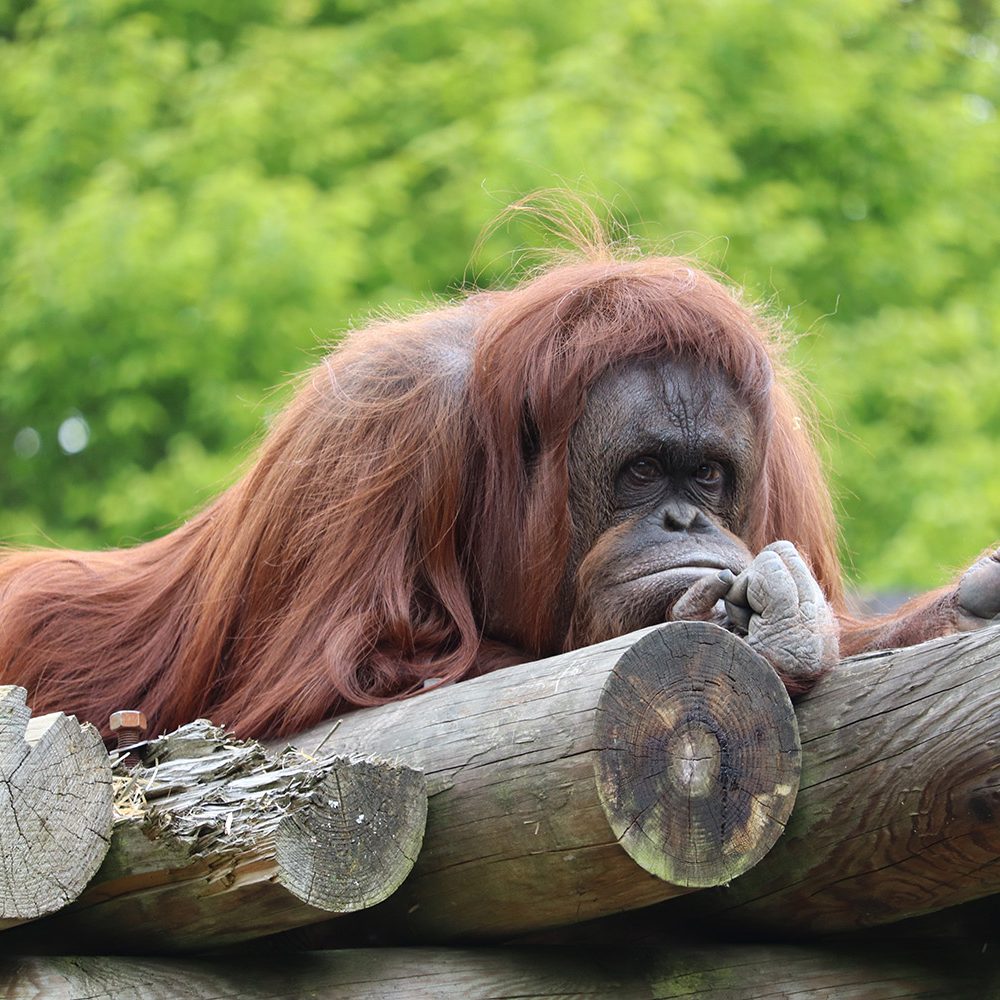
x: 972, y: 603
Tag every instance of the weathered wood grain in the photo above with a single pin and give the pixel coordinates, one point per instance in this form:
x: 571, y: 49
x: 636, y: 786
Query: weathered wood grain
x: 524, y: 833
x: 719, y: 973
x: 55, y: 809
x: 216, y: 840
x: 698, y: 755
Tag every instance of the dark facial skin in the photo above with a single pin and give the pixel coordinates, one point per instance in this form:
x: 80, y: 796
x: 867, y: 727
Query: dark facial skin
x: 660, y: 464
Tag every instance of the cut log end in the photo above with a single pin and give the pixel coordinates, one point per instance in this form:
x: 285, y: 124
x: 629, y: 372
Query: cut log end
x: 353, y: 845
x: 698, y: 754
x: 55, y: 809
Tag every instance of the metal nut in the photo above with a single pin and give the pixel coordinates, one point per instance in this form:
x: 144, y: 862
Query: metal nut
x: 127, y: 719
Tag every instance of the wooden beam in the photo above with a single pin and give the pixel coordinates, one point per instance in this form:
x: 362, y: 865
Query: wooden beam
x: 593, y: 782
x: 898, y: 813
x: 217, y: 840
x: 748, y: 972
x: 55, y: 809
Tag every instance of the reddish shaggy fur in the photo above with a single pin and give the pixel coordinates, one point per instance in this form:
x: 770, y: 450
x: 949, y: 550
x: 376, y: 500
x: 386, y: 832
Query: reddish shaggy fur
x: 390, y: 507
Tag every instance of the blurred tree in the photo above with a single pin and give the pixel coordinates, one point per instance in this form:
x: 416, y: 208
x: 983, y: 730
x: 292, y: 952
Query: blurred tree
x: 194, y: 197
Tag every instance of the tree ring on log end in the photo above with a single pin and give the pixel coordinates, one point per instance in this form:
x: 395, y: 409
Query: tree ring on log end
x: 355, y: 842
x: 698, y: 754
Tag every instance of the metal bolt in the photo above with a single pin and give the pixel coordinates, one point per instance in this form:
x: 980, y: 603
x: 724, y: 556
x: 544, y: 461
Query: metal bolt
x: 129, y: 725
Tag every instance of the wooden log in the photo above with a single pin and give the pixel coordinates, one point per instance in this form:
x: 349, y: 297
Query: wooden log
x: 216, y: 840
x: 55, y: 809
x: 898, y: 813
x: 551, y: 783
x: 719, y: 973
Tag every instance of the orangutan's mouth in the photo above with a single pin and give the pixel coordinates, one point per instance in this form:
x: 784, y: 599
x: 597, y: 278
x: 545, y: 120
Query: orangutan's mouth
x: 686, y: 571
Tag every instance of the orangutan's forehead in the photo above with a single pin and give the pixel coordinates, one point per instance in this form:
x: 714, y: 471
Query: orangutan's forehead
x: 675, y: 404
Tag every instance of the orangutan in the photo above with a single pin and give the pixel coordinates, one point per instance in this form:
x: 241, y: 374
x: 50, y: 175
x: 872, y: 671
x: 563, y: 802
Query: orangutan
x: 608, y: 445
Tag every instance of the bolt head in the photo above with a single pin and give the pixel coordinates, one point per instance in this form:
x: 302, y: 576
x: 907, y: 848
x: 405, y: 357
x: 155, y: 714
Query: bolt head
x: 127, y: 719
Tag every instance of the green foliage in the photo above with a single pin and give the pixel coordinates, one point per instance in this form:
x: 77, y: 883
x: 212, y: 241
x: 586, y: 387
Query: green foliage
x: 194, y: 197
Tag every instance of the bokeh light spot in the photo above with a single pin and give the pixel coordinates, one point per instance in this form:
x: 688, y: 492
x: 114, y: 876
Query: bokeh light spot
x: 27, y: 442
x: 74, y: 433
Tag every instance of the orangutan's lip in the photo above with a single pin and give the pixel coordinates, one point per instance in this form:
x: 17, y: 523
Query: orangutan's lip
x: 702, y: 567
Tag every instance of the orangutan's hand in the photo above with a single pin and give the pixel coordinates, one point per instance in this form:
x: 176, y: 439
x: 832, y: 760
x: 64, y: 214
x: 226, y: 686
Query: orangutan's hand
x: 979, y: 594
x: 780, y: 609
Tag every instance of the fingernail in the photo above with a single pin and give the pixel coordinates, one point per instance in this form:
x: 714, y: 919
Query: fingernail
x: 726, y: 576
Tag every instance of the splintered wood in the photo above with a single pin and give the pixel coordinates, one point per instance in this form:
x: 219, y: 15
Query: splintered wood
x: 217, y: 840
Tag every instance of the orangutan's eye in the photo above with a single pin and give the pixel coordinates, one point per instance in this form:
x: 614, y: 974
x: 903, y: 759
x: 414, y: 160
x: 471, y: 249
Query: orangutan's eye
x: 644, y: 470
x: 709, y: 475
